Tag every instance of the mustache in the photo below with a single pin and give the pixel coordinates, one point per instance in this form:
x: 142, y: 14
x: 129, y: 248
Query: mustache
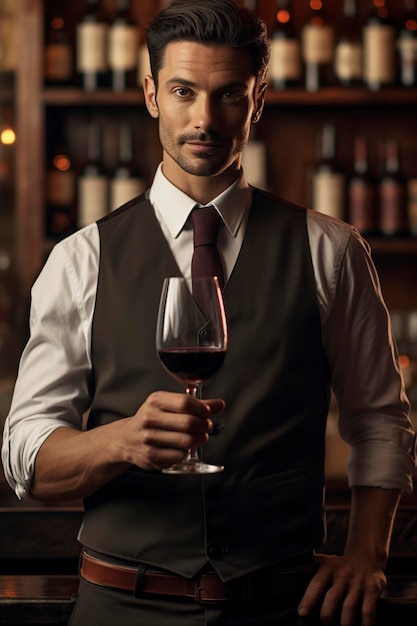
x: 202, y: 136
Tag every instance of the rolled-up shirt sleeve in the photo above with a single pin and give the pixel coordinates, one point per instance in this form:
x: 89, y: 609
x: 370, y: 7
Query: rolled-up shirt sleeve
x: 363, y: 358
x: 53, y: 384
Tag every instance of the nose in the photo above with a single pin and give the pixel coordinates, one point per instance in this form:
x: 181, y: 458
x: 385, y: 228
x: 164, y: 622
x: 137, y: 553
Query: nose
x: 204, y: 113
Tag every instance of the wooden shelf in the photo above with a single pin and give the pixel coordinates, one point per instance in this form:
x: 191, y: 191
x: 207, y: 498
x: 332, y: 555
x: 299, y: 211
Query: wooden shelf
x: 73, y: 96
x: 406, y: 246
x: 330, y: 96
x: 341, y: 96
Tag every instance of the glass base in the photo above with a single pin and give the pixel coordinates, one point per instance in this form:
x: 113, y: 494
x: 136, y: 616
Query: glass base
x: 193, y: 467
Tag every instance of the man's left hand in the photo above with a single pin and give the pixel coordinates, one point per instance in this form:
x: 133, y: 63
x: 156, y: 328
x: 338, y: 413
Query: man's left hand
x: 346, y: 586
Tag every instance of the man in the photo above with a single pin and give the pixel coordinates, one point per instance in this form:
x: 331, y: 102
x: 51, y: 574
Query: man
x: 305, y: 313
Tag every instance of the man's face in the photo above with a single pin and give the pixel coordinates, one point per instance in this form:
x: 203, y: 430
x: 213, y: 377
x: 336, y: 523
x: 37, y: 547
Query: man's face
x: 205, y: 103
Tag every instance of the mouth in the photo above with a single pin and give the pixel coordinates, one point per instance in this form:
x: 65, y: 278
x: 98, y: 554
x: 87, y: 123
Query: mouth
x: 203, y: 147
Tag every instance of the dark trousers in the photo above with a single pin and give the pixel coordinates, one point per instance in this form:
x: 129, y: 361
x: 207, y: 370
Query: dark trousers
x: 100, y: 606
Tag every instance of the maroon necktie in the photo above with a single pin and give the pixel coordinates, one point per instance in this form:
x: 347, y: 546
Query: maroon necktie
x: 206, y: 259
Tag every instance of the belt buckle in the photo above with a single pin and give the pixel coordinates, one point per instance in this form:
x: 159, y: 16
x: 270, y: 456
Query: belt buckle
x: 199, y: 590
x: 241, y: 593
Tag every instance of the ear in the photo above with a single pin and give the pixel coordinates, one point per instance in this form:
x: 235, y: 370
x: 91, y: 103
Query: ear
x: 149, y: 91
x: 259, y: 103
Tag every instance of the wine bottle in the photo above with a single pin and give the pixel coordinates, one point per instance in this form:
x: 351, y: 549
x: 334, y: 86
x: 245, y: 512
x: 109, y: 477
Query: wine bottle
x: 9, y: 39
x: 252, y: 5
x: 60, y: 195
x: 392, y: 193
x: 91, y: 44
x: 126, y: 183
x: 348, y: 51
x: 59, y: 65
x: 93, y: 182
x: 144, y: 67
x: 362, y: 200
x: 378, y: 48
x: 254, y: 162
x: 318, y: 40
x: 328, y: 177
x: 285, y: 68
x: 412, y: 205
x: 407, y: 45
x: 123, y: 48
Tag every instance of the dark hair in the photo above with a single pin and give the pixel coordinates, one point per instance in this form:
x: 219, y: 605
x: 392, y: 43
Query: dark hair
x: 219, y: 22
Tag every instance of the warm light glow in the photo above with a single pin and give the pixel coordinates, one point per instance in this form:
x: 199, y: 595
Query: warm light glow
x: 62, y: 162
x: 7, y: 136
x: 317, y: 20
x: 57, y: 23
x: 379, y: 3
x: 283, y: 16
x: 404, y: 361
x: 316, y: 5
x: 411, y: 24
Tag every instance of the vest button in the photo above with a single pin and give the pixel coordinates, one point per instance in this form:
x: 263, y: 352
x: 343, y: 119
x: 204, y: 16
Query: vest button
x: 216, y: 550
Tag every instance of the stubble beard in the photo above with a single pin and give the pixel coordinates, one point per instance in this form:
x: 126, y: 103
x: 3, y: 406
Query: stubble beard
x: 204, y: 165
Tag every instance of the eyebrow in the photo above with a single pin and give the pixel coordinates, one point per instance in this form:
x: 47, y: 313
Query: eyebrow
x: 188, y: 83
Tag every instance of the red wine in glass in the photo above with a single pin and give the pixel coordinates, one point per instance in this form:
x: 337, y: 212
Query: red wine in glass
x: 191, y: 341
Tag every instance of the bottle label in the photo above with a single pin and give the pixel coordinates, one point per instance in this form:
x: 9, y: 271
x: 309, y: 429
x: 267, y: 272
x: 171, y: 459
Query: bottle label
x: 123, y: 47
x: 379, y: 55
x: 254, y: 163
x: 407, y: 48
x: 61, y: 187
x: 58, y: 62
x: 91, y: 47
x: 362, y: 208
x: 348, y: 61
x: 318, y: 43
x: 124, y: 189
x: 92, y: 201
x: 285, y: 60
x: 328, y: 193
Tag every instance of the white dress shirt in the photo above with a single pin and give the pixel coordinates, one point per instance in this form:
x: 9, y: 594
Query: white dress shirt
x: 52, y: 385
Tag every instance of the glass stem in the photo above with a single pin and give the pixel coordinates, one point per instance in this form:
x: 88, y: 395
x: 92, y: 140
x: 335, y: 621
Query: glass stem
x: 192, y: 454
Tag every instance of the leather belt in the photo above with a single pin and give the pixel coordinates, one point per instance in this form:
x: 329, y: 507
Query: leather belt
x: 205, y: 588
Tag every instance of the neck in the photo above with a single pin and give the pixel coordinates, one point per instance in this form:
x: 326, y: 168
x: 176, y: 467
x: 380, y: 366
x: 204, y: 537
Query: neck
x: 202, y: 189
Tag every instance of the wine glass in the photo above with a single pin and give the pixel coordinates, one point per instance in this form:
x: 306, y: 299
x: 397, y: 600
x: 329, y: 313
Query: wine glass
x: 191, y: 340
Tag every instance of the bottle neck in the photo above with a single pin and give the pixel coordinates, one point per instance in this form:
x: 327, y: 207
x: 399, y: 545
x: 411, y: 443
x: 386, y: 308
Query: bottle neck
x: 122, y: 6
x: 328, y: 143
x: 250, y: 4
x: 125, y: 145
x: 94, y: 144
x: 392, y: 158
x: 360, y: 165
x: 349, y: 8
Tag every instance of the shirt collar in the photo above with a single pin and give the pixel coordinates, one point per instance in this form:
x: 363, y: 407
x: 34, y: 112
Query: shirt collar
x: 174, y: 206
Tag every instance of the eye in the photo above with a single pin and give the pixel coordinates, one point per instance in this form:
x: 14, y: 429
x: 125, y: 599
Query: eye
x: 233, y: 95
x: 182, y: 92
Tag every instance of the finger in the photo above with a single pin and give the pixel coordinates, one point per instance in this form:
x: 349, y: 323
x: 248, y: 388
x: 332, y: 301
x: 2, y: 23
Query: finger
x: 313, y: 593
x: 349, y: 608
x: 370, y: 600
x: 216, y: 405
x: 181, y: 403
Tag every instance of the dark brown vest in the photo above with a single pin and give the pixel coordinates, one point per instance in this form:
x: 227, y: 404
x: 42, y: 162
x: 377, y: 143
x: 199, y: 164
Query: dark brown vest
x: 267, y: 504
